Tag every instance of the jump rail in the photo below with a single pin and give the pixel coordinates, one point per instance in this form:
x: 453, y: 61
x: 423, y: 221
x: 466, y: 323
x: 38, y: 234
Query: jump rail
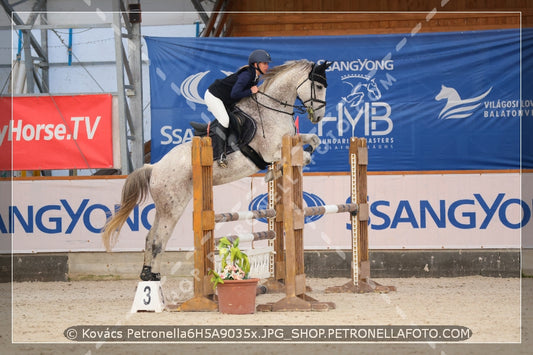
x: 239, y: 216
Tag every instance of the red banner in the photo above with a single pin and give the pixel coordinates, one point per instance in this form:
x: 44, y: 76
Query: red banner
x: 56, y: 132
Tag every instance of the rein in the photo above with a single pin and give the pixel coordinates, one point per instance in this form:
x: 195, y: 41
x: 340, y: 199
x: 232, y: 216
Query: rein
x: 297, y: 108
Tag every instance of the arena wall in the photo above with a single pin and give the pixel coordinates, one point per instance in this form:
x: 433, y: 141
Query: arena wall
x: 57, y: 236
x: 318, y: 263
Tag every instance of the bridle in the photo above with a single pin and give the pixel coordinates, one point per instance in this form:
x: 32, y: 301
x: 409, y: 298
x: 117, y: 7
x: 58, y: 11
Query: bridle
x: 310, y: 109
x: 313, y: 77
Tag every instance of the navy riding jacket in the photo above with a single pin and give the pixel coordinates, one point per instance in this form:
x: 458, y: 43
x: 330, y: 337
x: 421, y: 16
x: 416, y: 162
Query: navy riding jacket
x: 235, y: 86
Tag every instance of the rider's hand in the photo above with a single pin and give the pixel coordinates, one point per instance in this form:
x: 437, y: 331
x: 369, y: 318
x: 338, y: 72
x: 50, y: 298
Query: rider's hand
x: 254, y: 89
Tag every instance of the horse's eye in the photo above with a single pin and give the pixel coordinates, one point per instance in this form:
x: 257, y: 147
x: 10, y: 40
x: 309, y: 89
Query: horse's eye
x: 319, y: 87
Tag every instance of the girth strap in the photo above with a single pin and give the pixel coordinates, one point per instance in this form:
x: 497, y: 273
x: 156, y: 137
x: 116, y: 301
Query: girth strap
x: 255, y: 157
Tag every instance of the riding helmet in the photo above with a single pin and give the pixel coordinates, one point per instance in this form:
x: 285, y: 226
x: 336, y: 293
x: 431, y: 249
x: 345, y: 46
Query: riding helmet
x: 259, y: 56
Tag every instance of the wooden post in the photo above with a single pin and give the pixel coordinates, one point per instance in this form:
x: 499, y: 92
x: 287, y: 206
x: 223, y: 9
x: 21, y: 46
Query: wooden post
x: 292, y: 160
x: 293, y: 225
x: 203, y: 226
x: 360, y: 265
x: 359, y: 152
x: 275, y: 192
x: 279, y: 245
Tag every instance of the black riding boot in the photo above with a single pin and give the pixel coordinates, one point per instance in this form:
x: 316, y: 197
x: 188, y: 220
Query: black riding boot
x: 221, y: 140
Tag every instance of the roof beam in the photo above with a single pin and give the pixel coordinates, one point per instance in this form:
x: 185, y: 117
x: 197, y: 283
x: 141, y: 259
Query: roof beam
x: 18, y: 21
x: 201, y: 11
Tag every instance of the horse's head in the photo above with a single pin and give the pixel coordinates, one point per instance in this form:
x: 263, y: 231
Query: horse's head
x: 373, y: 90
x: 446, y: 93
x: 312, y: 92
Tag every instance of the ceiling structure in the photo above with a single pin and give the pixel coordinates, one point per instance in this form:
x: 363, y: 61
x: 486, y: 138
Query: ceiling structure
x: 125, y: 17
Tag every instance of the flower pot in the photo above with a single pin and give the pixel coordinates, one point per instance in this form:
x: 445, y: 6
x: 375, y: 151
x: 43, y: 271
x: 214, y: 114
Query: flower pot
x: 237, y: 296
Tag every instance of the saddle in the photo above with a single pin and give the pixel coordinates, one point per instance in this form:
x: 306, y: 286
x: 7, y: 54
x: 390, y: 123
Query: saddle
x: 242, y: 129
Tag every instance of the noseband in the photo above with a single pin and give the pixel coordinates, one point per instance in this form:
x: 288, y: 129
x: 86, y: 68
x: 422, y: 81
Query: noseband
x: 313, y: 77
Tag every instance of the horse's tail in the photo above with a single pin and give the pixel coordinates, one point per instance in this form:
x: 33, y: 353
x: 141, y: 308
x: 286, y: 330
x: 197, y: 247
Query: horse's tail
x: 134, y: 192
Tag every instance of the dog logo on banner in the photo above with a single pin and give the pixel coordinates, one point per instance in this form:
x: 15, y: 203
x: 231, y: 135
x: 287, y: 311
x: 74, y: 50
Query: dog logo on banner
x: 455, y: 106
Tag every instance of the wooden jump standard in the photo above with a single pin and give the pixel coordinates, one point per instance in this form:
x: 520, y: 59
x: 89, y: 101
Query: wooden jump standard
x: 285, y: 214
x: 360, y: 275
x: 204, y: 219
x: 290, y: 215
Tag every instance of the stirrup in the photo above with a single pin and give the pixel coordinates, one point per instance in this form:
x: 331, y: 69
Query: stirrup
x: 223, y: 161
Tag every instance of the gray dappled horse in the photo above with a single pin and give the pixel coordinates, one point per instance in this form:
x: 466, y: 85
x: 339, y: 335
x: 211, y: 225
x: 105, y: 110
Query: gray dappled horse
x: 170, y: 180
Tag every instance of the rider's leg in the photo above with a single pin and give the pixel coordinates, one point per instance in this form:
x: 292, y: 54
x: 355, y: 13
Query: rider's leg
x: 217, y: 108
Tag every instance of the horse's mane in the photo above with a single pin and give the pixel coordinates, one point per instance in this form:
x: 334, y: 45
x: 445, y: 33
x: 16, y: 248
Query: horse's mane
x: 275, y: 72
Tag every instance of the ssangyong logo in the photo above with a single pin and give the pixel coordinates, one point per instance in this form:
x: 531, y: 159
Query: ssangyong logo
x: 455, y: 106
x: 310, y: 200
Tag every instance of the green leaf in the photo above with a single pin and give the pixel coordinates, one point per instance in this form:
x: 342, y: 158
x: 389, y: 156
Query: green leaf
x: 215, y: 279
x: 237, y: 257
x: 234, y: 253
x: 246, y: 264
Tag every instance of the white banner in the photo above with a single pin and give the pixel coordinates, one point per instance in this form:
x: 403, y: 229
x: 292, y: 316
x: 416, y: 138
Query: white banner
x: 427, y: 211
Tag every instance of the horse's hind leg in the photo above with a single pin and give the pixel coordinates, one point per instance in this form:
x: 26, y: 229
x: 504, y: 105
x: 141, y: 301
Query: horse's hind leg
x: 156, y: 242
x: 169, y: 209
x: 146, y: 273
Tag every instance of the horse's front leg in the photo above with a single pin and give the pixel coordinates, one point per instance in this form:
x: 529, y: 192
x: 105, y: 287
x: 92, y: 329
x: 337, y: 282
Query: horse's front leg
x: 274, y: 172
x: 312, y: 141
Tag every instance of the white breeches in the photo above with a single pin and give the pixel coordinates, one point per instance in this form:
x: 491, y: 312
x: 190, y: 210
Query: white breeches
x: 217, y: 108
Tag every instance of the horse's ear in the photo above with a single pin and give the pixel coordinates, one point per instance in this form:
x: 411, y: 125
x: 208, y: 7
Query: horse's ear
x: 322, y: 67
x: 318, y: 73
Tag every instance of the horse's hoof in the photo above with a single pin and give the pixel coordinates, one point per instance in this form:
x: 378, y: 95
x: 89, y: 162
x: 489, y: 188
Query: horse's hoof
x: 151, y: 277
x: 260, y: 290
x: 146, y: 277
x: 269, y: 176
x: 146, y: 273
x: 273, y: 175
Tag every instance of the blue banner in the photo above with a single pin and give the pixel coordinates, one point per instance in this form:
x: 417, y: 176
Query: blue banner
x: 427, y: 101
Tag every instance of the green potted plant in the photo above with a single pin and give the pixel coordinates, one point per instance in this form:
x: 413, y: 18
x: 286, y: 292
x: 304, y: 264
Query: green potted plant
x: 235, y: 290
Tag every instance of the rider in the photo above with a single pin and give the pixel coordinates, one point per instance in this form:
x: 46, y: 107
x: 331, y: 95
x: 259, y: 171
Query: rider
x: 224, y: 93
